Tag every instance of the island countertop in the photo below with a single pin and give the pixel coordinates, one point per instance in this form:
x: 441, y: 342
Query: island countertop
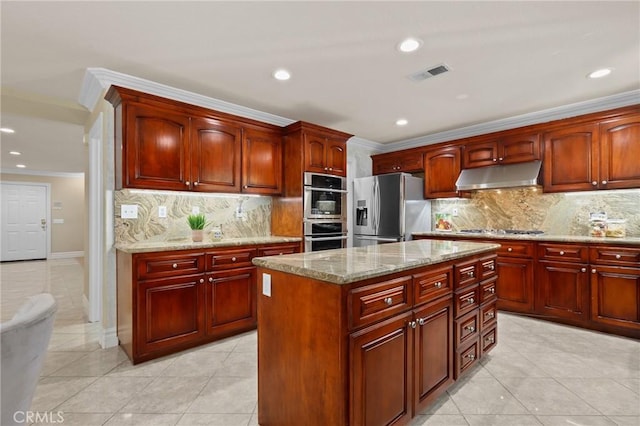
x: 344, y: 266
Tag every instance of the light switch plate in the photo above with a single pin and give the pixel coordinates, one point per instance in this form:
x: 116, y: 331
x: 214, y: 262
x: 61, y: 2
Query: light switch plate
x: 162, y: 211
x: 195, y: 210
x: 266, y: 284
x: 129, y: 211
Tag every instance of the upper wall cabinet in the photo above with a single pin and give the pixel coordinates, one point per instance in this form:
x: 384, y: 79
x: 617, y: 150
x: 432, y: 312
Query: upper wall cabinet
x: 409, y: 162
x: 601, y: 155
x: 441, y: 170
x: 168, y: 145
x: 508, y: 149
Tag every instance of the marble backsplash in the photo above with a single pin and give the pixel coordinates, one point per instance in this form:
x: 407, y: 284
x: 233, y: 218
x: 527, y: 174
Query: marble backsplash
x: 529, y: 208
x: 219, y: 209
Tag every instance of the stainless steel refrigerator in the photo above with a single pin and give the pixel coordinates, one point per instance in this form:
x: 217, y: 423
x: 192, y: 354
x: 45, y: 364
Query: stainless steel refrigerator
x: 389, y: 208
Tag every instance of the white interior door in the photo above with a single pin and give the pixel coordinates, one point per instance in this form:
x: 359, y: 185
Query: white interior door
x: 23, y: 219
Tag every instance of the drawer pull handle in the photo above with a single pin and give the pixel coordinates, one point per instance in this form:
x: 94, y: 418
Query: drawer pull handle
x: 470, y: 274
x: 470, y: 328
x: 618, y: 256
x: 471, y: 300
x: 489, y: 340
x: 438, y: 284
x: 509, y: 249
x: 583, y: 270
x: 388, y: 301
x: 492, y: 290
x: 174, y: 266
x: 412, y: 324
x: 490, y: 315
x: 561, y: 253
x: 201, y: 280
x: 233, y: 259
x: 470, y: 356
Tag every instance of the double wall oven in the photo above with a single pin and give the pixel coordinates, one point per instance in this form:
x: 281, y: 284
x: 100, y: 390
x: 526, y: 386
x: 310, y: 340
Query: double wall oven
x: 325, y: 212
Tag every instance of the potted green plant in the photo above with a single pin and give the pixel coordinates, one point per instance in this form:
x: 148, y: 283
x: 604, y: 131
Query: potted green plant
x: 196, y: 223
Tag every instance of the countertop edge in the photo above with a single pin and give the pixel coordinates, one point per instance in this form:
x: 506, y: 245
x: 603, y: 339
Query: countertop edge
x: 629, y: 241
x: 189, y: 245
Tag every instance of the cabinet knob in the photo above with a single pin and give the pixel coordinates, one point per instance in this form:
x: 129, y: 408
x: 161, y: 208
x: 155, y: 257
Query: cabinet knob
x: 594, y: 183
x: 195, y: 183
x: 421, y: 321
x: 470, y: 274
x: 412, y: 324
x: 495, y: 159
x: 490, y: 314
x: 210, y: 279
x: 618, y: 256
x: 509, y: 249
x: 583, y: 269
x: 326, y: 168
x: 492, y: 266
x: 604, y: 182
x: 593, y: 271
x: 561, y: 253
x: 470, y: 328
x: 174, y: 266
x: 233, y: 259
x: 201, y: 280
x: 500, y: 159
x: 471, y: 300
x: 470, y: 356
x: 492, y: 290
x: 489, y: 340
x: 187, y: 183
x: 330, y: 168
x: 438, y: 284
x: 246, y: 186
x: 388, y: 301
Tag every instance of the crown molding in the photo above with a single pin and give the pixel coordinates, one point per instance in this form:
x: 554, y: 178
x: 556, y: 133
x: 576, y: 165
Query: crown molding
x: 98, y: 80
x: 365, y: 144
x: 41, y: 173
x: 551, y: 114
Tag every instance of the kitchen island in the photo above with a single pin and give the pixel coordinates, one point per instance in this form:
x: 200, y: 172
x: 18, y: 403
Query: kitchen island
x: 370, y: 335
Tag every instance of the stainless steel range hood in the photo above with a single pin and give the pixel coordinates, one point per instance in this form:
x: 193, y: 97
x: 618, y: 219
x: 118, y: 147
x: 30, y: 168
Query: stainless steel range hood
x: 493, y: 177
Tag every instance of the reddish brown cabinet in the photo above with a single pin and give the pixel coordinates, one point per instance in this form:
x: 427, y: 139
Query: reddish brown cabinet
x: 515, y: 284
x: 441, y: 171
x: 325, y: 154
x: 507, y: 149
x: 261, y: 162
x: 619, y: 152
x: 408, y: 162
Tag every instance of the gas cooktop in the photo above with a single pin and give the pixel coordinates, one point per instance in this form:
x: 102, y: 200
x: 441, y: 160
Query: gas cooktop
x: 503, y: 231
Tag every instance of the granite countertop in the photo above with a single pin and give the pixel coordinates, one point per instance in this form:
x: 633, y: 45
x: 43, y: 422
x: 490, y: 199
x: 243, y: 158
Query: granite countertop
x: 631, y: 241
x: 187, y: 244
x: 343, y: 266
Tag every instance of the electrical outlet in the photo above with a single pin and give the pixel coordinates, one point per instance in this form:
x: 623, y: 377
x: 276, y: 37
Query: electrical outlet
x: 266, y: 284
x: 454, y: 212
x: 129, y: 211
x: 195, y: 210
x: 162, y: 211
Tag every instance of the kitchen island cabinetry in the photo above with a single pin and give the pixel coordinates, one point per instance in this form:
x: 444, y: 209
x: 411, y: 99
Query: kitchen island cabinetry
x: 441, y: 170
x: 172, y: 300
x: 376, y: 342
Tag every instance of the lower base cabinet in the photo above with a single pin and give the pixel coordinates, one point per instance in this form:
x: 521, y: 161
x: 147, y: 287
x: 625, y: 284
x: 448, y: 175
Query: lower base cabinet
x: 563, y: 290
x: 231, y: 299
x: 615, y: 296
x: 515, y: 287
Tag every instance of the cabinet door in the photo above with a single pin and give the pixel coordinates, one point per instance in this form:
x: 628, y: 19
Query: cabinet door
x: 261, y: 162
x: 480, y: 154
x: 215, y: 155
x: 615, y: 296
x: 433, y: 371
x: 155, y: 150
x: 563, y: 290
x: 519, y: 148
x: 336, y: 161
x: 384, y: 164
x: 380, y: 368
x: 619, y: 153
x: 441, y: 170
x: 231, y: 301
x: 515, y: 284
x: 169, y: 313
x: 571, y: 159
x: 314, y: 153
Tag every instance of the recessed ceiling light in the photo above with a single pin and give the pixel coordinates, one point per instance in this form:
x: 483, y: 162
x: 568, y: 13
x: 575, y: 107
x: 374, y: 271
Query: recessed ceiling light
x: 402, y: 122
x: 15, y: 153
x: 281, y: 74
x: 600, y: 73
x: 20, y: 166
x: 6, y: 130
x: 409, y: 45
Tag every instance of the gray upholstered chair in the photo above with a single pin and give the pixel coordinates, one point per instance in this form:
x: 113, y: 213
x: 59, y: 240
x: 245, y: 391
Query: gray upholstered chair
x: 24, y: 346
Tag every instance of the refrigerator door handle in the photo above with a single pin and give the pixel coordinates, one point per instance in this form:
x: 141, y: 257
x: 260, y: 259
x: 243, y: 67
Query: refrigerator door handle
x: 357, y: 237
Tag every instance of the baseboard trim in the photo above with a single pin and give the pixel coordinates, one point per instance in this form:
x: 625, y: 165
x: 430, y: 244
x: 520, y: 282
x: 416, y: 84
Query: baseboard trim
x: 108, y: 338
x: 66, y: 254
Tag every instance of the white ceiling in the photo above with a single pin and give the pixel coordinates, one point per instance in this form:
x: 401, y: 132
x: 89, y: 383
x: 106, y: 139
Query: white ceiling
x: 507, y: 59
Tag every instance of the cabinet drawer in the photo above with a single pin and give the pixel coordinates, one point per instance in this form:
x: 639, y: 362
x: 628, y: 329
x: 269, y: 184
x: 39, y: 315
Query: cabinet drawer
x: 466, y: 329
x: 466, y: 358
x: 169, y: 265
x: 488, y: 290
x: 466, y: 274
x: 488, y: 316
x: 378, y: 301
x: 515, y: 248
x: 487, y: 267
x: 466, y: 301
x: 431, y: 285
x: 615, y: 255
x: 279, y: 250
x: 489, y: 340
x: 230, y: 259
x: 564, y: 252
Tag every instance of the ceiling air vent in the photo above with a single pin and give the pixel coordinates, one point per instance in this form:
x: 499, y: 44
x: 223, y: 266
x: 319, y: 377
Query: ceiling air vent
x: 431, y: 72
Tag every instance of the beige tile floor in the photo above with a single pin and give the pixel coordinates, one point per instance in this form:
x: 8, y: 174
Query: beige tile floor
x: 539, y: 374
